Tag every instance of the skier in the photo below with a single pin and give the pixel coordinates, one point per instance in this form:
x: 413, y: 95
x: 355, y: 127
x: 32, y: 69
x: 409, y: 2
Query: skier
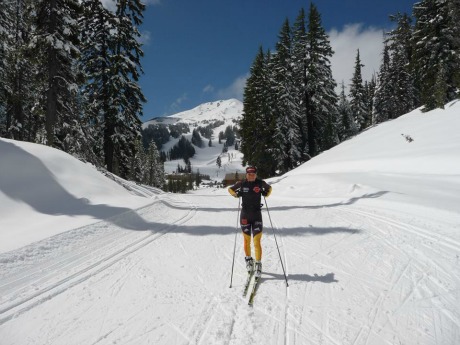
x: 251, y: 190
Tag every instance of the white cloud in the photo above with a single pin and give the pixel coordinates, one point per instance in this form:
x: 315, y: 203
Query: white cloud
x: 144, y: 39
x: 345, y: 44
x: 176, y: 105
x: 235, y: 90
x: 208, y: 88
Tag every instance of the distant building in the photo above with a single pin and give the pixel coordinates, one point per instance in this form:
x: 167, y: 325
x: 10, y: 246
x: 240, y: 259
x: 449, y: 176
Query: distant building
x: 231, y: 178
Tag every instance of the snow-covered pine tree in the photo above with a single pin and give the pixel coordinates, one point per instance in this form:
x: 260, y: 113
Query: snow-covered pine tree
x: 155, y: 167
x: 17, y: 90
x: 401, y: 79
x: 357, y: 97
x: 138, y: 168
x: 56, y: 48
x: 6, y: 17
x: 321, y: 99
x: 286, y: 136
x: 383, y: 98
x: 369, y: 89
x: 453, y: 7
x: 4, y: 25
x: 299, y: 61
x: 196, y: 138
x: 124, y: 80
x: 436, y: 54
x: 346, y: 127
x: 257, y: 123
x: 97, y: 25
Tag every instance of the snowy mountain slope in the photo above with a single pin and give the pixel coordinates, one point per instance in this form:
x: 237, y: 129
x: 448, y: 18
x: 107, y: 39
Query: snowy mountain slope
x: 369, y: 238
x: 227, y: 111
x: 53, y: 192
x: 224, y: 110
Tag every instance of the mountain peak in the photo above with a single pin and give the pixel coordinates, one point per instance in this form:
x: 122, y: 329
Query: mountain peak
x: 226, y: 110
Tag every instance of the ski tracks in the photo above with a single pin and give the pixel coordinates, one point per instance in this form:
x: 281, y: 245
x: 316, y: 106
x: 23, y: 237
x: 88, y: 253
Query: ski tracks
x: 28, y: 288
x: 412, y: 295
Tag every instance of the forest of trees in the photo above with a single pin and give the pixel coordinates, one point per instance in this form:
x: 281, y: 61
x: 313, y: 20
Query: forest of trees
x: 292, y: 111
x: 69, y: 74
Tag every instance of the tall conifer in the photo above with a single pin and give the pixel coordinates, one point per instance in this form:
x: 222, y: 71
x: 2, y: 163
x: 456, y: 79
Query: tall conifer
x: 436, y: 52
x: 320, y: 96
x: 287, y: 133
x: 357, y: 97
x: 56, y: 44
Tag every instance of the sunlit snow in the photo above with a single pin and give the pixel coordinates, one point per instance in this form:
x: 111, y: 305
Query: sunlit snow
x: 369, y: 235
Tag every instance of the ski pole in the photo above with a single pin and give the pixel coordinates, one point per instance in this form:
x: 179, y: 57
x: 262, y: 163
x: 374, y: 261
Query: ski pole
x: 234, y: 247
x: 282, y: 266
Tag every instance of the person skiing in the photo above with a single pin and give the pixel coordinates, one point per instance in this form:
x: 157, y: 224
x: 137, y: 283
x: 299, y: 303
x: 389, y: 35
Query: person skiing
x: 250, y: 190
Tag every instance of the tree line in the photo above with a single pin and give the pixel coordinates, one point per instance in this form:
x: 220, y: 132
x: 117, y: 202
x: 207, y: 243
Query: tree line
x: 69, y: 74
x: 292, y: 111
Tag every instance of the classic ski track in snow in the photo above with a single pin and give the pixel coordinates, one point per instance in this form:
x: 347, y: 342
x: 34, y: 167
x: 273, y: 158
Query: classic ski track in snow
x: 391, y: 234
x: 18, y: 297
x: 391, y: 226
x: 356, y: 276
x: 275, y: 231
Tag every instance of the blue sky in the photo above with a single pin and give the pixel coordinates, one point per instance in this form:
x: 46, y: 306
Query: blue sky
x: 199, y: 51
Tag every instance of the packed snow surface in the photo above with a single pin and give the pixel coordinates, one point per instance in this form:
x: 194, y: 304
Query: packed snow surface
x: 368, y: 234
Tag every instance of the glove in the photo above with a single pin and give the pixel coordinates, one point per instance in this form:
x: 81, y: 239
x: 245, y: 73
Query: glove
x: 266, y: 192
x: 235, y: 194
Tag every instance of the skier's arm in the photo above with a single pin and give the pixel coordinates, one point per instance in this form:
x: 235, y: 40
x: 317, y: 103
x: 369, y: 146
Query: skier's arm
x: 266, y: 189
x: 233, y: 190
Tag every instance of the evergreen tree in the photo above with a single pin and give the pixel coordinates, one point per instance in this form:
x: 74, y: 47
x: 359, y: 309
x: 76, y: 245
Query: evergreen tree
x: 453, y: 7
x: 436, y: 51
x: 97, y: 29
x: 229, y: 136
x: 126, y: 72
x: 257, y: 124
x: 183, y: 149
x: 138, y: 163
x: 370, y: 87
x: 357, y: 96
x: 383, y: 99
x: 401, y: 79
x: 17, y: 89
x: 55, y: 45
x: 198, y: 178
x: 196, y: 139
x: 287, y: 135
x: 299, y: 55
x: 346, y: 127
x: 5, y: 14
x: 320, y: 96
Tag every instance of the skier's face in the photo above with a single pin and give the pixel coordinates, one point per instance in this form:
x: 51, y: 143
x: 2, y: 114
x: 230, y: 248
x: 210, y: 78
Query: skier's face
x: 251, y: 177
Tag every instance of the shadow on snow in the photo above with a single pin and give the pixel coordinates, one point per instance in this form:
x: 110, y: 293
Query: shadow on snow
x: 328, y: 278
x: 40, y: 190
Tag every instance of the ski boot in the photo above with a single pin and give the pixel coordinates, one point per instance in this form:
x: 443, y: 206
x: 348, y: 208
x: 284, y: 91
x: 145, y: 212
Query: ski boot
x: 249, y: 263
x: 258, y: 269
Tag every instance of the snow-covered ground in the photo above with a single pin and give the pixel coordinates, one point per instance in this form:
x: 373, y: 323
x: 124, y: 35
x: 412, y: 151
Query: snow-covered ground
x: 369, y: 234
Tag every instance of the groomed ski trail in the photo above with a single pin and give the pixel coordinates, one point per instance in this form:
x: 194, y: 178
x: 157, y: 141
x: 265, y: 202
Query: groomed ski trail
x: 160, y: 275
